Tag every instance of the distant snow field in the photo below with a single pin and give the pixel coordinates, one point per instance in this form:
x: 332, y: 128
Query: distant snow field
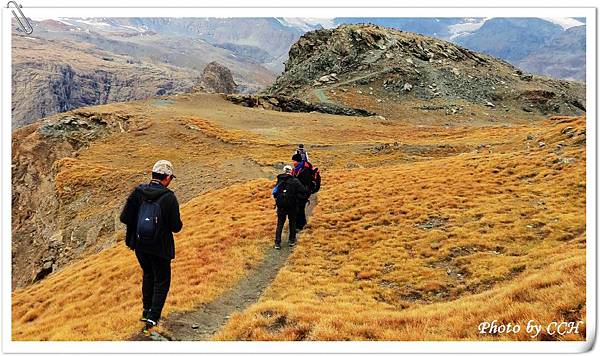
x: 463, y: 28
x: 306, y: 24
x: 564, y: 22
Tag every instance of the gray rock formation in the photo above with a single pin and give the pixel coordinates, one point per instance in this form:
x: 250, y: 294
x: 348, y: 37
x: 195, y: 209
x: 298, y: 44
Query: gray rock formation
x: 562, y: 57
x: 386, y: 60
x: 216, y: 78
x: 289, y: 104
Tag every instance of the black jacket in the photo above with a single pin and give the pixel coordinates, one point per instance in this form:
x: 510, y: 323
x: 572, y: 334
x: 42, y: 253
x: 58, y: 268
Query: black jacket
x: 170, y: 212
x: 305, y: 177
x: 297, y: 190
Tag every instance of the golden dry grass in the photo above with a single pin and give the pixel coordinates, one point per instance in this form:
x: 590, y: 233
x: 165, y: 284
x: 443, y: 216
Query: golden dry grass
x: 421, y: 232
x: 98, y: 298
x: 330, y: 320
x: 429, y: 250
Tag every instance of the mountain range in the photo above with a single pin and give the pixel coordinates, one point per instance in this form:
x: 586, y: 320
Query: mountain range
x: 176, y: 50
x: 511, y: 39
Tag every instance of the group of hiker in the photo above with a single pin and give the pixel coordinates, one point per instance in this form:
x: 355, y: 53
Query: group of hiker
x: 151, y: 214
x: 292, y: 193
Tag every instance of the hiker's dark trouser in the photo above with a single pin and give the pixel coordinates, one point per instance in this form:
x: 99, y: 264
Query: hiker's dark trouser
x: 281, y: 216
x: 301, y: 216
x: 155, y: 283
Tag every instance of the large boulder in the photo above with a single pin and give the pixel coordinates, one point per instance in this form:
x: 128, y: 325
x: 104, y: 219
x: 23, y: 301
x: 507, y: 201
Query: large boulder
x: 216, y: 78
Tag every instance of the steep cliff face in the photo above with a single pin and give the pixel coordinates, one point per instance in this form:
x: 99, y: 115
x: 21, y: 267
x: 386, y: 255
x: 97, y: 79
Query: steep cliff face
x: 53, y: 223
x: 51, y: 77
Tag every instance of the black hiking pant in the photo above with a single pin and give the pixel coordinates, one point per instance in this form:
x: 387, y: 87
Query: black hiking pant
x: 281, y: 216
x: 301, y: 214
x: 155, y: 282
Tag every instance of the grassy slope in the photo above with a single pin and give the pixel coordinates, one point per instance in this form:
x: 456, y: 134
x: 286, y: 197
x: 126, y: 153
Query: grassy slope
x: 436, y: 223
x: 98, y: 298
x: 428, y: 251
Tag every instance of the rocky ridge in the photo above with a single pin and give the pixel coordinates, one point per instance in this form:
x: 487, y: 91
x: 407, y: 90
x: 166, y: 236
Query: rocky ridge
x: 408, y: 66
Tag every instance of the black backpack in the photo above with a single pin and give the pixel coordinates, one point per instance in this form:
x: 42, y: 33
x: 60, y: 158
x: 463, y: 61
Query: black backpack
x: 149, y: 223
x: 283, y: 196
x: 316, y: 182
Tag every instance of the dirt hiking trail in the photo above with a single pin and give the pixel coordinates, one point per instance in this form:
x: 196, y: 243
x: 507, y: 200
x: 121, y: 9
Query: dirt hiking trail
x: 208, y: 319
x: 323, y: 98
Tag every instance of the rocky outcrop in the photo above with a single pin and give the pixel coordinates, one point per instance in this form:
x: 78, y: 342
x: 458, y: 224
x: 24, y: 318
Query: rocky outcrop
x: 289, y: 104
x: 408, y: 66
x: 216, y: 78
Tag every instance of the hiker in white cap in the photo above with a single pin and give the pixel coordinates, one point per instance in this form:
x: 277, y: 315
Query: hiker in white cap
x: 151, y: 214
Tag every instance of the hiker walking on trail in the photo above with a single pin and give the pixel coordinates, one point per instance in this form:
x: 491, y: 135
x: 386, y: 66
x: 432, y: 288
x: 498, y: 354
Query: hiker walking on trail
x: 304, y: 172
x: 302, y: 152
x: 151, y: 214
x: 287, y: 192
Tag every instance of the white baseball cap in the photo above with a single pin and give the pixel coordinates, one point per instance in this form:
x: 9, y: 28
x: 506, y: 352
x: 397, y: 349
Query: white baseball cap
x: 163, y: 167
x: 287, y: 169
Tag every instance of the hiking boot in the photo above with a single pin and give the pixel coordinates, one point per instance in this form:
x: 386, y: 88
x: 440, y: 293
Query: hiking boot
x: 149, y: 325
x: 145, y: 313
x: 277, y: 246
x: 292, y: 243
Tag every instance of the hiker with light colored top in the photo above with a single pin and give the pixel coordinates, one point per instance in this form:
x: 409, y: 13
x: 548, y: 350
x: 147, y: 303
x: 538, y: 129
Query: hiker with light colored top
x: 302, y: 152
x: 151, y: 214
x: 287, y: 193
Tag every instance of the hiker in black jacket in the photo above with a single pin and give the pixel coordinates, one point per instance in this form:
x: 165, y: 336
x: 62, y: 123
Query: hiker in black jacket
x: 303, y: 171
x: 287, y: 192
x: 151, y: 214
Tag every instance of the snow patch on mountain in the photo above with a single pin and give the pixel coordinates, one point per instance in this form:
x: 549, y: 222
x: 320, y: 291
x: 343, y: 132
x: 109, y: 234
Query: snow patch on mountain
x: 564, y: 22
x: 94, y: 22
x: 470, y: 25
x: 306, y: 24
x: 99, y: 23
x: 57, y: 19
x: 139, y: 29
x: 464, y: 28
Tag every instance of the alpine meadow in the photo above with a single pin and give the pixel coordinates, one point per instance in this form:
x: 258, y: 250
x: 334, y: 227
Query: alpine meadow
x: 453, y: 186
